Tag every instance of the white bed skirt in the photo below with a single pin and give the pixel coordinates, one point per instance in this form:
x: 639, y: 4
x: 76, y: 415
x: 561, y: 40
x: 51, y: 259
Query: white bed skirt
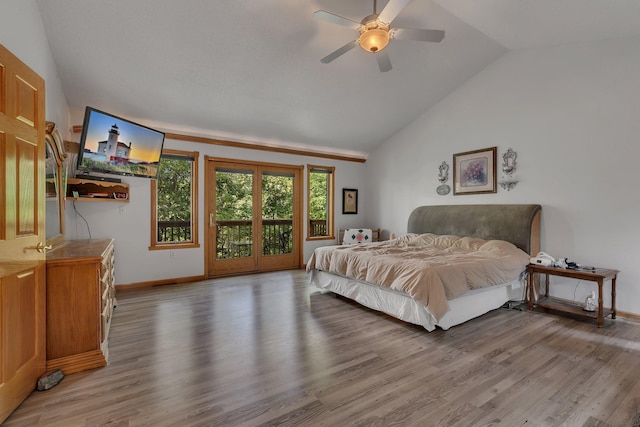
x: 468, y: 306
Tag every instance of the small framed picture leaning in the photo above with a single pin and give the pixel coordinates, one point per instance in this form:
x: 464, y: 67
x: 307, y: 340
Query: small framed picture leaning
x: 474, y: 172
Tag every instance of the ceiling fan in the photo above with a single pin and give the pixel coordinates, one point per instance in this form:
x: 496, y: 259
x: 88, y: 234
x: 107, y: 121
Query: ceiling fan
x: 375, y: 32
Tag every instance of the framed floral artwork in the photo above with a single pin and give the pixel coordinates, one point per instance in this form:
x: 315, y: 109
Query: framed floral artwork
x: 474, y: 172
x: 349, y: 201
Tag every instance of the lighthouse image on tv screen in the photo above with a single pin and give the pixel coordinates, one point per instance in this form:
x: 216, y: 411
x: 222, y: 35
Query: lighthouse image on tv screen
x: 110, y: 144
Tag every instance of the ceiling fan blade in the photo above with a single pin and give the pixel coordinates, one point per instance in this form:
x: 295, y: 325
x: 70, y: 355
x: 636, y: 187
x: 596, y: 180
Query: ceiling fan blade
x: 336, y: 53
x: 335, y: 19
x: 392, y: 9
x: 435, y: 36
x: 384, y: 63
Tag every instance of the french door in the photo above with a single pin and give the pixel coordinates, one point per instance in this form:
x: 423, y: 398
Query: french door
x: 254, y: 216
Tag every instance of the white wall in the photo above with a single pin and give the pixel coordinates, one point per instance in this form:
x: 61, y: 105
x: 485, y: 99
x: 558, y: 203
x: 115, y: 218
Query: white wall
x: 131, y: 228
x: 572, y: 115
x: 22, y: 32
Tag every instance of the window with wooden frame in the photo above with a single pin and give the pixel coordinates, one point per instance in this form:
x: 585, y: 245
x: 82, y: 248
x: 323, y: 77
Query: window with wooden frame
x: 174, y: 201
x: 320, y: 202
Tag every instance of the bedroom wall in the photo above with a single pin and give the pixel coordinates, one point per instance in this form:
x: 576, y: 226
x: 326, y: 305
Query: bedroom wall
x: 32, y: 47
x: 571, y: 113
x: 131, y: 227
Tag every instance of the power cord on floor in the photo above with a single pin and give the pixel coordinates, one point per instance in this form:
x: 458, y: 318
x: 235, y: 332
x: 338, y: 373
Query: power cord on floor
x: 517, y: 304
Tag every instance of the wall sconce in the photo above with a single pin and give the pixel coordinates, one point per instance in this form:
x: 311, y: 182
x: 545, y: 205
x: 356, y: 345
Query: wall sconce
x: 443, y: 176
x: 509, y: 162
x: 508, y: 168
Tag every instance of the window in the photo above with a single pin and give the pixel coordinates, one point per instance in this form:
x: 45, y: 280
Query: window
x: 320, y: 202
x: 174, y: 201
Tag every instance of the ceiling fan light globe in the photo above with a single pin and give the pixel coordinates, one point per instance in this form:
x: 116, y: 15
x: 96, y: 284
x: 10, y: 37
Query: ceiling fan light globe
x: 374, y: 40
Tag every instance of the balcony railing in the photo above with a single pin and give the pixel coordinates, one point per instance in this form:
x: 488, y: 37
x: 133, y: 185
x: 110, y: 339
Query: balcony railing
x: 174, y: 231
x: 234, y: 239
x: 318, y: 227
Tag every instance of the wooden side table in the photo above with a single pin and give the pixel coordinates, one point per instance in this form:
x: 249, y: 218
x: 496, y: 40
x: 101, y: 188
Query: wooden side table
x: 598, y: 275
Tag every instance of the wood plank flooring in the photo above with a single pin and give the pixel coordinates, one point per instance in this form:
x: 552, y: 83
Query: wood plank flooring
x: 268, y: 349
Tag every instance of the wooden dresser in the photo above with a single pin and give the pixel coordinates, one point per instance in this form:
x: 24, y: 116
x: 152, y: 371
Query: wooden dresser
x: 80, y: 301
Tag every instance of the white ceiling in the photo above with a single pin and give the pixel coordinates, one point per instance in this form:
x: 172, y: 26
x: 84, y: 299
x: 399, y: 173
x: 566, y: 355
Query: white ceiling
x: 249, y: 70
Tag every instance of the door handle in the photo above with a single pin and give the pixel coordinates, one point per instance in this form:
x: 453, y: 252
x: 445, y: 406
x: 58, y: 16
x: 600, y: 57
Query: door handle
x: 42, y: 247
x: 212, y: 222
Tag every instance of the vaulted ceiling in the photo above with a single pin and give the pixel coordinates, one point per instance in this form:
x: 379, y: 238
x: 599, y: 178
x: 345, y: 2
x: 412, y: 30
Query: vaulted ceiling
x: 250, y: 71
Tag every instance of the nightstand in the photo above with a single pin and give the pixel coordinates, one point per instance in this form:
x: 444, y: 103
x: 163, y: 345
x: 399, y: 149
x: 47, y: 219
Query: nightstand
x: 598, y: 275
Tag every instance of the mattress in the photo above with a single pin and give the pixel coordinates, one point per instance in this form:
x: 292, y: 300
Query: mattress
x: 470, y: 305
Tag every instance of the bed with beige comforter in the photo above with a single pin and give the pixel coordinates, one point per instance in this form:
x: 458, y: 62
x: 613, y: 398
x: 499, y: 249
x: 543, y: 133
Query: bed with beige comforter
x: 431, y: 269
x: 430, y: 277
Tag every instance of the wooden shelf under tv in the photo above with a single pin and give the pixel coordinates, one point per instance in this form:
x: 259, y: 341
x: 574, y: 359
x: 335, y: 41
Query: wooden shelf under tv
x: 89, y: 190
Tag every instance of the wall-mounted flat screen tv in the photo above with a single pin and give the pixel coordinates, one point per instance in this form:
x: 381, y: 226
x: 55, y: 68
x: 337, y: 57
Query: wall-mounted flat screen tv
x: 113, y: 145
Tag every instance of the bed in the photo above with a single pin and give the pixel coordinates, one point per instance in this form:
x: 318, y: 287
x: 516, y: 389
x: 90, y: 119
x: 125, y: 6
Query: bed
x: 445, y: 229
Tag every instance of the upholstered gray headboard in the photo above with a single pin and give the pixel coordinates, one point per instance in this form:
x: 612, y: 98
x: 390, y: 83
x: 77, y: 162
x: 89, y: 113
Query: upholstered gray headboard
x: 518, y: 224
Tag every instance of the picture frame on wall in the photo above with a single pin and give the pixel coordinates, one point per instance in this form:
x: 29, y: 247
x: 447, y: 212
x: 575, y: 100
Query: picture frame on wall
x: 474, y: 172
x: 349, y: 201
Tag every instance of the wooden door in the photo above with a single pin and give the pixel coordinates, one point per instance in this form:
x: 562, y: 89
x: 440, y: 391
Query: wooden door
x: 255, y: 212
x: 22, y: 230
x: 279, y: 222
x: 232, y: 218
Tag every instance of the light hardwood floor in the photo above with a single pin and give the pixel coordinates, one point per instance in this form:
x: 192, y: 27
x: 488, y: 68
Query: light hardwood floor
x: 269, y: 350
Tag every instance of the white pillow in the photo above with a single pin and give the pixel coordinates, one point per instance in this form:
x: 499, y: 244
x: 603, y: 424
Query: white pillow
x: 355, y: 236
